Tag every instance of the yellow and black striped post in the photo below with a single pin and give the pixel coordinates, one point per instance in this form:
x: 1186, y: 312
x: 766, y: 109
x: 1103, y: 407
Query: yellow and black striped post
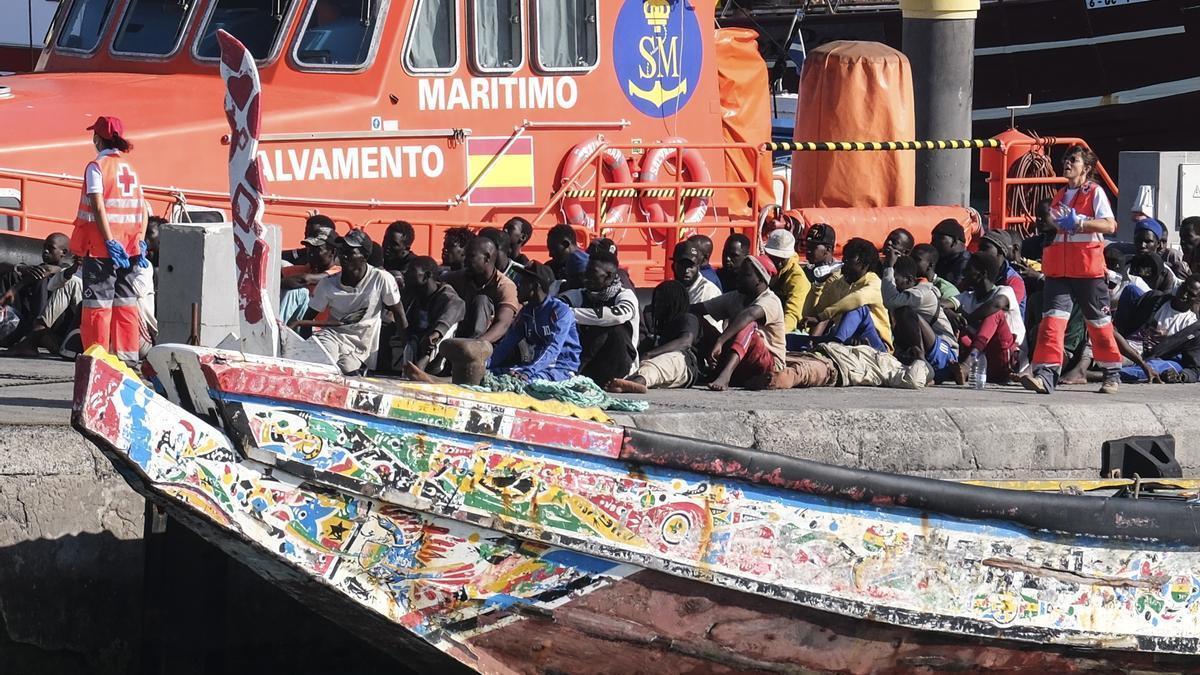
x: 877, y: 146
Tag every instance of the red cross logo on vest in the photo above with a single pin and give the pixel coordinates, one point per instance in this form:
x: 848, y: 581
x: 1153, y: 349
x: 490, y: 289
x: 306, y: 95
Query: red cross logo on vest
x: 127, y: 179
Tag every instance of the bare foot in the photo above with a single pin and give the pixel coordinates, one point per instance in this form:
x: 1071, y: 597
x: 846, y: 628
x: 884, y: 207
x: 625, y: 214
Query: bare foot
x: 1074, y: 380
x: 620, y: 386
x: 718, y: 385
x: 412, y: 372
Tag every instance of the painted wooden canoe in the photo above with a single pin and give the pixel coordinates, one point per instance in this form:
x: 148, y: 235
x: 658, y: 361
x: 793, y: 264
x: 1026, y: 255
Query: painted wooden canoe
x: 515, y: 535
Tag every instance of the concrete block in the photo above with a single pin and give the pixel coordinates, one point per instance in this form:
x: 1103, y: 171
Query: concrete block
x: 1085, y: 428
x: 1009, y: 440
x: 196, y: 266
x: 1181, y: 421
x: 805, y: 434
x: 70, y: 556
x: 903, y: 441
x: 1161, y: 171
x: 44, y: 450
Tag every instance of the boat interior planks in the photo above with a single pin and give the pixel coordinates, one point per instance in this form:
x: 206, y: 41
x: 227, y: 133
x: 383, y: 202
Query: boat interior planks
x: 466, y: 515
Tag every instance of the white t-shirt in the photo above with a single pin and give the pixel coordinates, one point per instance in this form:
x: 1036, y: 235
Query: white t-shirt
x: 1100, y: 205
x: 1166, y: 321
x: 92, y: 178
x: 702, y: 290
x: 360, y: 306
x: 1016, y: 324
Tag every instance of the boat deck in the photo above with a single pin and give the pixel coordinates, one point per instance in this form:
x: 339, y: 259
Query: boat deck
x: 942, y: 432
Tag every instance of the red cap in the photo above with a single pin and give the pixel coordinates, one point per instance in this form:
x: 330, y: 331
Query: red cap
x: 764, y: 266
x: 106, y: 127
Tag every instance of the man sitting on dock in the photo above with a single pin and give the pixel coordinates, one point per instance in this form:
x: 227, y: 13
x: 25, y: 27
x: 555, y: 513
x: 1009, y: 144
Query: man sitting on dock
x: 397, y: 249
x: 791, y: 284
x: 926, y: 257
x: 950, y: 240
x: 520, y: 231
x: 686, y: 261
x: 1149, y: 236
x: 348, y: 306
x: 1157, y: 335
x: 821, y: 267
x: 299, y: 281
x: 705, y: 244
x: 543, y: 341
x: 899, y: 241
x: 850, y: 309
x: 24, y: 287
x: 608, y: 319
x: 433, y: 310
x: 669, y: 357
x: 565, y: 255
x: 736, y: 248
x: 491, y: 297
x: 988, y: 319
x: 752, y: 347
x: 998, y: 244
x: 921, y: 329
x: 507, y: 266
x: 454, y: 248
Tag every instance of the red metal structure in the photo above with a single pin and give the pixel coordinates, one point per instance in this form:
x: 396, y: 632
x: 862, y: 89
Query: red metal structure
x: 440, y: 112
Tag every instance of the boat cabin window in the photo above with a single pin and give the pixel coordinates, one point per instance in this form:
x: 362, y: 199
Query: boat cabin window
x: 255, y: 22
x: 152, y: 27
x: 84, y: 25
x: 566, y: 35
x: 432, y: 37
x: 497, y: 35
x: 338, y: 33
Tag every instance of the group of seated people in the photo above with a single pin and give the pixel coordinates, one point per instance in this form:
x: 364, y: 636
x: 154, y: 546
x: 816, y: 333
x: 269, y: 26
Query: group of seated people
x: 793, y: 316
x: 41, y: 304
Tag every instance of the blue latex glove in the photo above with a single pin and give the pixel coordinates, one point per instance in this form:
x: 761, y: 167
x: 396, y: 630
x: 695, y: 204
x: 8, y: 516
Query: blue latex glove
x: 117, y: 252
x: 1069, y: 220
x: 143, y: 261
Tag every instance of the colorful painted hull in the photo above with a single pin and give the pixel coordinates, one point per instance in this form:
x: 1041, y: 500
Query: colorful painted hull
x: 513, y: 539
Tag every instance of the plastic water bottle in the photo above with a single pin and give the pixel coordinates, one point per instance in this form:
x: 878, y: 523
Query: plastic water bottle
x: 978, y: 370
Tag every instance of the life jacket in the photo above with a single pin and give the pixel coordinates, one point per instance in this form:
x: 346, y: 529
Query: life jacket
x: 1079, y: 255
x: 124, y: 204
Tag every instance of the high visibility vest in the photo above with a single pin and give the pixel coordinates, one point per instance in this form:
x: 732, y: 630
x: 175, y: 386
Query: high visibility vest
x: 1079, y: 255
x: 124, y: 205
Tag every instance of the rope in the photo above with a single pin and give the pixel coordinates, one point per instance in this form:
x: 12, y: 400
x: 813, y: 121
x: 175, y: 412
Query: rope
x: 848, y: 146
x: 578, y: 391
x: 1023, y: 199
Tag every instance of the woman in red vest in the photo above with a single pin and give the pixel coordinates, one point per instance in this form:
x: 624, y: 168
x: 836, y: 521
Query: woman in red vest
x: 109, y: 236
x: 1074, y: 267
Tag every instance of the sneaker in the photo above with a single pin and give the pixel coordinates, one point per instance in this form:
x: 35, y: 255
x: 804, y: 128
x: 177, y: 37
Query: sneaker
x: 1036, y: 382
x: 1112, y: 382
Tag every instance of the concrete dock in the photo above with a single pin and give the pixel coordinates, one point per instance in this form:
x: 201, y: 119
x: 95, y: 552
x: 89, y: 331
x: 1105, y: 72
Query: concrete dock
x: 72, y: 557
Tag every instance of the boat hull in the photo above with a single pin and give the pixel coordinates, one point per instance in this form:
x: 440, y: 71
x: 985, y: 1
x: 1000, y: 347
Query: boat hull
x: 458, y: 559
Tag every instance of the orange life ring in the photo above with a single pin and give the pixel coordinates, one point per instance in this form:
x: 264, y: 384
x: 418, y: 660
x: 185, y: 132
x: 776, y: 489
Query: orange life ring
x: 695, y: 201
x: 616, y: 171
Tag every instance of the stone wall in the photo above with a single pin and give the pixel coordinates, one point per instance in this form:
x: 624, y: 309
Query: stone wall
x: 70, y: 556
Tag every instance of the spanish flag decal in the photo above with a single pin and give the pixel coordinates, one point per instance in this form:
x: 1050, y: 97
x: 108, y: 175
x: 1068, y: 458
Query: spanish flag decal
x: 507, y: 178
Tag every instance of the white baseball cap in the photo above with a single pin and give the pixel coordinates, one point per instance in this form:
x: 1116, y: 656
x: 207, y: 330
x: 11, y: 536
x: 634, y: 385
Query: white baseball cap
x: 780, y: 243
